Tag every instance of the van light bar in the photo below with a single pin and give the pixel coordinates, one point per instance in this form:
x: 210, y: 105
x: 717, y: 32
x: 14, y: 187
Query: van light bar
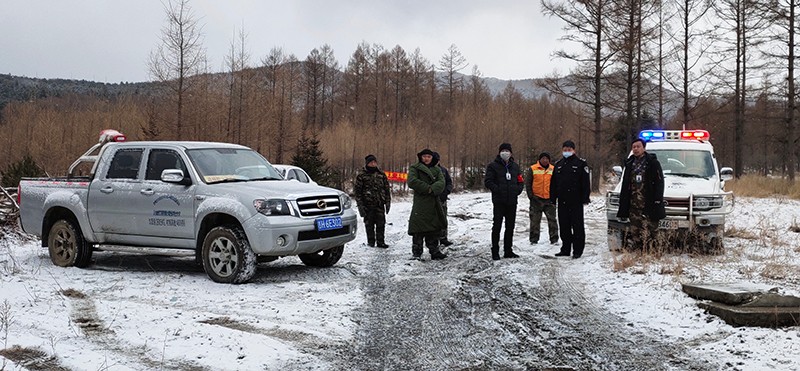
x: 648, y: 135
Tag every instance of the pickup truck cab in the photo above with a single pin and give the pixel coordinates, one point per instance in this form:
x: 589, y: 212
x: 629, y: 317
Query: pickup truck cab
x: 694, y: 191
x: 222, y: 203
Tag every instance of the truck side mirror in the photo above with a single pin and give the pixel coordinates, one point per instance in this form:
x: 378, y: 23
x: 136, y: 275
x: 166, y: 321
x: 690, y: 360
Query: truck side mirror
x: 175, y: 176
x: 726, y: 173
x: 617, y: 170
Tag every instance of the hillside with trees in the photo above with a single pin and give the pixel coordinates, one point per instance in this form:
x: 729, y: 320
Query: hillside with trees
x: 727, y: 67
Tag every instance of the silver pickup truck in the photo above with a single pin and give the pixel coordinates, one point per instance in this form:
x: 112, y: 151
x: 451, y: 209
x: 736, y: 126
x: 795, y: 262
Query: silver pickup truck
x: 222, y: 203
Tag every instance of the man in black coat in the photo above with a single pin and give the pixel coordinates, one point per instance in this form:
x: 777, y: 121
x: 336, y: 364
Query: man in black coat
x: 642, y: 195
x: 570, y: 189
x: 504, y: 179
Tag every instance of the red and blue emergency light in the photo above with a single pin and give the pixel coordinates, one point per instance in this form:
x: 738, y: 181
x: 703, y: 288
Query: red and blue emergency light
x: 648, y: 135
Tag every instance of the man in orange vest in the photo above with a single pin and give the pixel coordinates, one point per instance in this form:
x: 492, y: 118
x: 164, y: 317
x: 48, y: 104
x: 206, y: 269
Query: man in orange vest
x: 537, y: 186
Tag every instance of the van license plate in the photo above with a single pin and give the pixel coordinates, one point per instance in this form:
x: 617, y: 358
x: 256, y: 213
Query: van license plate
x: 667, y: 224
x: 326, y: 224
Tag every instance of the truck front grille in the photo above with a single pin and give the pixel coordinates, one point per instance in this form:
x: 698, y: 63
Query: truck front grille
x: 319, y: 205
x: 316, y: 235
x: 677, y: 202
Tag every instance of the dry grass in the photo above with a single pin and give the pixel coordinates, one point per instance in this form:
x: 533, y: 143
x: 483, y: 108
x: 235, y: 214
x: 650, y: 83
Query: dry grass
x: 734, y: 232
x: 760, y: 186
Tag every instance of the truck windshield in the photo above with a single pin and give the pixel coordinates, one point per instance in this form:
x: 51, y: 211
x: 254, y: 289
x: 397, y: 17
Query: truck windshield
x: 219, y: 165
x: 696, y: 164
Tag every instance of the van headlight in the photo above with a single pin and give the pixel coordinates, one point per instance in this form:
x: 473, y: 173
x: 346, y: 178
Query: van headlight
x: 272, y: 207
x: 345, y: 201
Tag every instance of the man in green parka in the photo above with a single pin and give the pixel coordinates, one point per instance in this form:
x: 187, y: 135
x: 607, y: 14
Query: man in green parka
x: 427, y: 216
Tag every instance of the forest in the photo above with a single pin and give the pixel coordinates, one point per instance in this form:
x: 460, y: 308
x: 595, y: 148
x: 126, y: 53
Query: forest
x: 724, y: 66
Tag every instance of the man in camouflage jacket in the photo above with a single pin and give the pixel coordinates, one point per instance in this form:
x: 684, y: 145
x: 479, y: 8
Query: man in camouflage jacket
x: 374, y: 197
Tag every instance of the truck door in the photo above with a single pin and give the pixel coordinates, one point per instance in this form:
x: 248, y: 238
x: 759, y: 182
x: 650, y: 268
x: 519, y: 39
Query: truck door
x: 166, y: 209
x: 111, y: 196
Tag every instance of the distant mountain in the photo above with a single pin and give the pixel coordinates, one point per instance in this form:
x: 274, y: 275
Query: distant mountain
x: 19, y: 88
x: 528, y: 87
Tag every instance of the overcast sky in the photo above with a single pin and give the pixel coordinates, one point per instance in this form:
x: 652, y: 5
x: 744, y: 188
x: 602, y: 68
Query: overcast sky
x: 110, y: 40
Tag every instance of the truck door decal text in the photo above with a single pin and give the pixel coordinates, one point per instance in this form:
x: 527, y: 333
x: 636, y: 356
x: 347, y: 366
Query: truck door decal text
x: 169, y: 197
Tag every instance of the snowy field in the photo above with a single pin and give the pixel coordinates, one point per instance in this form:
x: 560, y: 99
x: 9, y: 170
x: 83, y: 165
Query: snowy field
x: 129, y: 312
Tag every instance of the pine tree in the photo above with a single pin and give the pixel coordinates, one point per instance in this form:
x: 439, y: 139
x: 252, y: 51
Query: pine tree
x: 310, y: 158
x: 26, y: 167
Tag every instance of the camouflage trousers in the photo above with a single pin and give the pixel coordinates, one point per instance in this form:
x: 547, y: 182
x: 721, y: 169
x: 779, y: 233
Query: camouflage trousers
x: 642, y: 231
x: 539, y: 206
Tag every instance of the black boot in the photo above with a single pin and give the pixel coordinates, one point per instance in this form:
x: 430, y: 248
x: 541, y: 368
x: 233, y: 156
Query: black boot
x: 435, y: 253
x: 495, y: 253
x: 508, y: 253
x: 382, y: 245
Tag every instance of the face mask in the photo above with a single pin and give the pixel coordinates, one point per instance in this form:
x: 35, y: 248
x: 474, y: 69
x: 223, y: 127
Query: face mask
x: 505, y: 155
x: 566, y: 154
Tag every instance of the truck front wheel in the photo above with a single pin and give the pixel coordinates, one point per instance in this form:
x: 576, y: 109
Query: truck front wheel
x: 67, y: 246
x: 227, y: 256
x: 324, y: 258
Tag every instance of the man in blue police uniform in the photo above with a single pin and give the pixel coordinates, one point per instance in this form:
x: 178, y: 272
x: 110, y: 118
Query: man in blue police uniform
x: 569, y: 190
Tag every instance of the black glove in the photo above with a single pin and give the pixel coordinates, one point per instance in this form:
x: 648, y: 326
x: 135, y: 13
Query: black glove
x: 387, y: 207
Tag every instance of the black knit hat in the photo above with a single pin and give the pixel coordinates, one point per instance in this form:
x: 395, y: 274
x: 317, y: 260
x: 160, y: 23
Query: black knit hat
x: 369, y: 159
x: 505, y: 146
x: 425, y: 151
x: 569, y: 144
x: 544, y: 154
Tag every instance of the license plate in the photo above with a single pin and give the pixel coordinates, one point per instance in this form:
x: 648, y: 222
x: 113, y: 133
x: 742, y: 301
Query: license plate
x: 667, y: 224
x: 326, y: 224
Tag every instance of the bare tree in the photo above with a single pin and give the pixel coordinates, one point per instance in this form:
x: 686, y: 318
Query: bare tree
x: 179, y: 55
x: 451, y: 64
x: 742, y: 23
x: 237, y: 61
x: 585, y: 25
x: 692, y: 38
x: 783, y: 15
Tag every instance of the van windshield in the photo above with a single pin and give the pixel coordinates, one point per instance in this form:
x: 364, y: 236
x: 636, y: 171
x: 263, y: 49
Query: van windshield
x: 696, y: 164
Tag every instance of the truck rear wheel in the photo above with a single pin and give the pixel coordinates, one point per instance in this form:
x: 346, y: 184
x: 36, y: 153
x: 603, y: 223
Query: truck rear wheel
x: 227, y: 256
x: 324, y: 258
x: 66, y: 245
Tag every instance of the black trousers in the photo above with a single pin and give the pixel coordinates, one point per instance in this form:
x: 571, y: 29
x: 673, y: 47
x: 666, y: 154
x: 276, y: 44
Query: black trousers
x: 572, y: 231
x: 509, y: 213
x: 375, y: 223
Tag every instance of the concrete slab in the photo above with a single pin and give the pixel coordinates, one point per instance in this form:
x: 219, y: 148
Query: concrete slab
x: 770, y: 317
x: 774, y: 300
x: 726, y: 293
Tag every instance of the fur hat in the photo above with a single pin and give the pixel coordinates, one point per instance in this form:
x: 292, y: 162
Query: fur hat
x: 569, y: 144
x: 369, y: 159
x: 505, y: 146
x: 425, y: 151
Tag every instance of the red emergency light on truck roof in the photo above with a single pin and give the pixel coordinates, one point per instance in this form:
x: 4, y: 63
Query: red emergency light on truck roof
x: 111, y: 135
x: 649, y: 135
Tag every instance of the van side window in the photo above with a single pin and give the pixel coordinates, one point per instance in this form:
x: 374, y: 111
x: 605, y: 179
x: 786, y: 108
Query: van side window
x: 163, y: 159
x: 125, y: 164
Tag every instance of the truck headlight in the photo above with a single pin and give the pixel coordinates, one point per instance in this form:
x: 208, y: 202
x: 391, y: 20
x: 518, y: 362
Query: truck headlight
x: 272, y: 207
x: 708, y: 203
x: 345, y: 201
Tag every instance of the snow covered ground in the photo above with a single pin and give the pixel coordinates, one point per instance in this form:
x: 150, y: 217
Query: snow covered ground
x: 129, y: 312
